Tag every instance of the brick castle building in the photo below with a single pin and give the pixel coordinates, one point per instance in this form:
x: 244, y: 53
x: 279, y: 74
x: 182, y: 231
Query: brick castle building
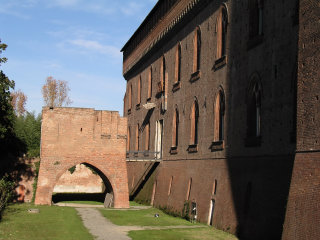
x: 222, y: 102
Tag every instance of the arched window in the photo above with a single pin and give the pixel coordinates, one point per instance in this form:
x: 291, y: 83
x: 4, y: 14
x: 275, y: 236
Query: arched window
x: 194, y: 124
x: 254, y: 111
x: 147, y: 137
x: 175, y: 129
x: 149, y: 84
x: 137, y: 138
x: 196, y: 50
x: 178, y: 64
x: 219, y: 116
x: 255, y: 18
x: 222, y: 23
x: 139, y: 91
x: 130, y: 98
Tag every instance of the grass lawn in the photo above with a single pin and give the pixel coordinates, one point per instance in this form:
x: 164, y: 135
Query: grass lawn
x: 144, y: 217
x: 52, y: 223
x: 83, y: 202
x: 134, y: 204
x: 206, y: 233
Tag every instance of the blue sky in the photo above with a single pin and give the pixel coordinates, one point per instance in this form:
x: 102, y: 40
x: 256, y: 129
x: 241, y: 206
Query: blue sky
x: 78, y: 41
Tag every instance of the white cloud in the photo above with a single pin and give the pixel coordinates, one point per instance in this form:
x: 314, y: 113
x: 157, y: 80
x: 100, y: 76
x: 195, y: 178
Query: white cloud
x: 95, y: 46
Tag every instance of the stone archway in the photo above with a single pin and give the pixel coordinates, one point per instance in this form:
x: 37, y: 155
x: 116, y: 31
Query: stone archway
x: 70, y: 136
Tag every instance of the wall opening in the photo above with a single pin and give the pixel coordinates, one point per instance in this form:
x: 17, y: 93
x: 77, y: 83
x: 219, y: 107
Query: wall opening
x: 83, y: 183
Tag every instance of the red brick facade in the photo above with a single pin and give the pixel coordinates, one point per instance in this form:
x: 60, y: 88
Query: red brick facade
x: 242, y: 157
x: 70, y: 136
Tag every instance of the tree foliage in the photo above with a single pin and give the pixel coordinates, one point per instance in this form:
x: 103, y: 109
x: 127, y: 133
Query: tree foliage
x: 18, y: 102
x: 6, y: 111
x: 28, y: 130
x: 55, y: 93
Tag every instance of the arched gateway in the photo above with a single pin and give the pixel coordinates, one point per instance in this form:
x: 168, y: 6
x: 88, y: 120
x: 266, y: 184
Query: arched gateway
x: 70, y: 136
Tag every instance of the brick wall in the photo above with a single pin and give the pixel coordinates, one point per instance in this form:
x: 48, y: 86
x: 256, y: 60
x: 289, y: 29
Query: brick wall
x: 303, y: 209
x: 70, y: 136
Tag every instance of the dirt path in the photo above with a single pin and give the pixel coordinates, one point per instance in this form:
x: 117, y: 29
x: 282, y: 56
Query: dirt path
x: 102, y: 229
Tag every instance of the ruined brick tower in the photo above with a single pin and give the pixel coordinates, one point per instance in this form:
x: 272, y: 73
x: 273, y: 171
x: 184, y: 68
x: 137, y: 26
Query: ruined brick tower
x: 70, y: 136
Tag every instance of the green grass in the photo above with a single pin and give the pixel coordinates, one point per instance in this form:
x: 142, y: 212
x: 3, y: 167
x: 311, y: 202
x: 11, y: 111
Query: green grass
x: 83, y: 202
x: 134, y: 204
x: 144, y: 217
x: 52, y: 223
x: 206, y: 233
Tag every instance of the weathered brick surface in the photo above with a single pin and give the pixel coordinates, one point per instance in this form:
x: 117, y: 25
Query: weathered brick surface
x: 70, y: 136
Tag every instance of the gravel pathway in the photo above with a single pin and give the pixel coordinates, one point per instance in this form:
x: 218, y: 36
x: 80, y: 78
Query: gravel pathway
x: 102, y: 229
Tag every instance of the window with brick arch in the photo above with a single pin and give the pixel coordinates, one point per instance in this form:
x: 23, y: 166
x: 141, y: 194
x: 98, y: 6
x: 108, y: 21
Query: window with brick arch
x: 147, y: 137
x: 194, y: 123
x: 149, y: 84
x: 219, y: 116
x: 254, y: 108
x: 196, y: 50
x: 177, y: 71
x: 255, y: 18
x: 139, y: 91
x: 175, y: 129
x: 222, y: 23
x: 137, y: 147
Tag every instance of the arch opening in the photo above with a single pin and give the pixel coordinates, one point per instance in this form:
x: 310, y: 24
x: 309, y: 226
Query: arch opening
x: 83, y: 183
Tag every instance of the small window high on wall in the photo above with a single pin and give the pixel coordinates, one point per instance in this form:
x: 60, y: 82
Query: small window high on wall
x: 194, y: 117
x: 128, y: 138
x: 147, y: 137
x: 254, y: 112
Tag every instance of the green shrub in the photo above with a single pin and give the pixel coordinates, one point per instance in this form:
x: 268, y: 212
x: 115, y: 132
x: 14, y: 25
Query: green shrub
x: 6, y: 193
x: 35, y: 181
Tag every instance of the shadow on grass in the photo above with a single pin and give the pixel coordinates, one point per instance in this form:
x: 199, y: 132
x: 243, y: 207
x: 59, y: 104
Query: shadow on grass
x: 62, y: 197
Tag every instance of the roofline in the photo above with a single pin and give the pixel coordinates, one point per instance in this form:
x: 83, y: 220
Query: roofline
x: 142, y: 24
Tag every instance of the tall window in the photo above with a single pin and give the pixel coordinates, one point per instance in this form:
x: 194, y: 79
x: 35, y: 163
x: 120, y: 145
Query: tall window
x: 150, y: 83
x: 147, y: 137
x: 175, y: 128
x: 128, y: 139
x: 194, y: 123
x: 255, y: 18
x: 196, y: 49
x: 137, y: 137
x: 178, y: 64
x: 219, y: 116
x: 139, y: 91
x: 222, y: 23
x: 254, y: 108
x: 130, y: 97
x: 162, y: 75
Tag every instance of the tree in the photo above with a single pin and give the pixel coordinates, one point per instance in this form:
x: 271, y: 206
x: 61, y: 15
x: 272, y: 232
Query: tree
x: 18, y: 102
x: 6, y: 111
x: 55, y: 93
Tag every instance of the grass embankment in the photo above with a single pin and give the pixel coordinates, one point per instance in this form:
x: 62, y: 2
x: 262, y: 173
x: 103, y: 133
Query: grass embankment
x: 146, y: 217
x: 52, y: 223
x: 181, y: 234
